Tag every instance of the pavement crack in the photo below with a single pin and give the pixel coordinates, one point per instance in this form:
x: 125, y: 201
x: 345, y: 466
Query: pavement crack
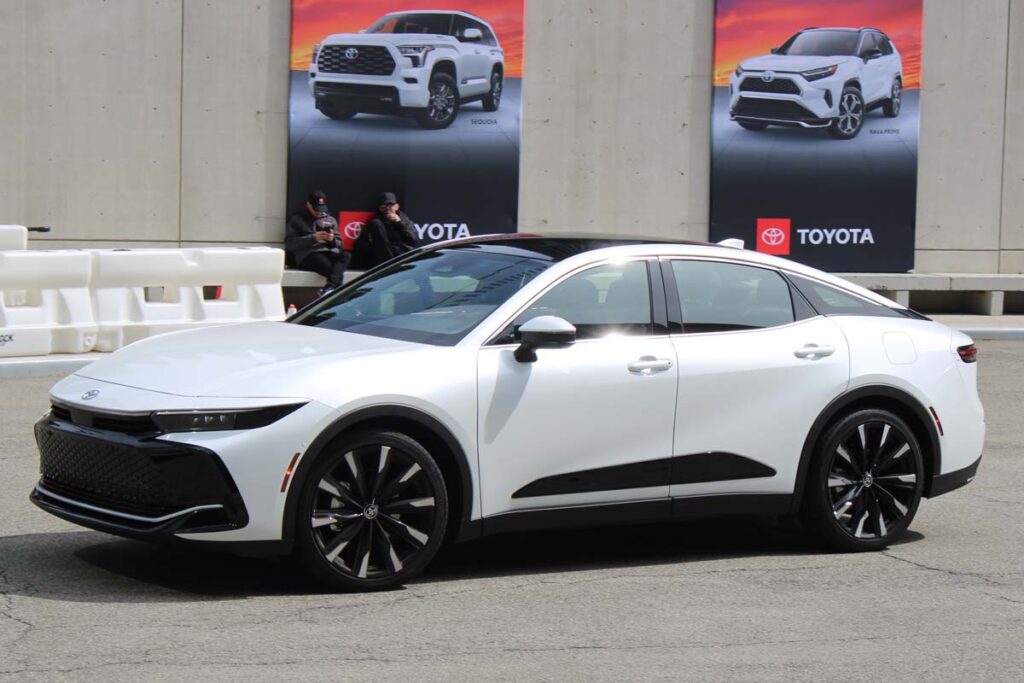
x: 950, y: 572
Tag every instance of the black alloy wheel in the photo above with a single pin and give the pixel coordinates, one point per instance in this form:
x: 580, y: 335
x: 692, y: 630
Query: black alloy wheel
x: 373, y: 512
x: 443, y: 103
x: 865, y: 483
x: 493, y: 99
x: 891, y: 107
x: 851, y: 115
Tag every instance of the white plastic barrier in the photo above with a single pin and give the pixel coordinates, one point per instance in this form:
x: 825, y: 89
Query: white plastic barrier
x: 44, y: 303
x: 13, y: 238
x: 141, y: 292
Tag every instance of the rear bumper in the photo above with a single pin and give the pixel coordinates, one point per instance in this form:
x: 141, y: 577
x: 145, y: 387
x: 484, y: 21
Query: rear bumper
x: 944, y: 483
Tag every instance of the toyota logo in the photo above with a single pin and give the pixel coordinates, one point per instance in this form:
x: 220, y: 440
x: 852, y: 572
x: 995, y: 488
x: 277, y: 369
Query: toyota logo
x: 90, y: 395
x: 768, y: 76
x: 353, y: 229
x: 351, y: 54
x: 773, y: 236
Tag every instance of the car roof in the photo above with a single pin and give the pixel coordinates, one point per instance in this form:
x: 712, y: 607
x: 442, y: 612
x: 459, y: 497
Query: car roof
x: 439, y: 11
x: 563, y: 246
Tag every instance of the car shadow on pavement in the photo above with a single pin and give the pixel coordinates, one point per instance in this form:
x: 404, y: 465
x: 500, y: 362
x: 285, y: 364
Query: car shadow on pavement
x: 87, y: 566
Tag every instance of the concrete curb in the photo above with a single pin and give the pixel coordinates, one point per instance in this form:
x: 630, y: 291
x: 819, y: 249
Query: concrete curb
x: 994, y: 333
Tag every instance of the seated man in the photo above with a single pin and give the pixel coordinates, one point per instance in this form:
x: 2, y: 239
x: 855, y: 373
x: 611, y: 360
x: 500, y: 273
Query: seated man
x: 313, y: 241
x: 386, y: 235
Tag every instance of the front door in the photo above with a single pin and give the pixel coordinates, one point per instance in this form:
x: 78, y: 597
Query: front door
x: 587, y: 424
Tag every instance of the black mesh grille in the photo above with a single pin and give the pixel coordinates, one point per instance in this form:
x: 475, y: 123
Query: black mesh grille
x: 369, y: 60
x: 148, y: 478
x: 782, y: 86
x: 124, y: 424
x: 780, y: 109
x: 357, y: 90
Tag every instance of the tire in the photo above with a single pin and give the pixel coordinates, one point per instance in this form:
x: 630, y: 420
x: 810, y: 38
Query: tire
x: 752, y: 125
x: 851, y: 115
x: 891, y: 107
x: 372, y: 512
x: 864, y: 483
x: 443, y: 106
x: 493, y: 99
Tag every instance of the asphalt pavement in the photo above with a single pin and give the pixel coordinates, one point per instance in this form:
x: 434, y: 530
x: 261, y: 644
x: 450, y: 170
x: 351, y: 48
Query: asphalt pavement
x: 713, y: 600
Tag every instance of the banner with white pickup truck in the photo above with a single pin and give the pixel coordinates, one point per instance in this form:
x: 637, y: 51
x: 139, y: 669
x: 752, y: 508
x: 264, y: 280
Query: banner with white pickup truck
x: 411, y: 98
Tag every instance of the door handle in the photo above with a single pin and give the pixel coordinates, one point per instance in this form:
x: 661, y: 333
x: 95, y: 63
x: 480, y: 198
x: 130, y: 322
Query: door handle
x: 648, y: 365
x: 813, y: 351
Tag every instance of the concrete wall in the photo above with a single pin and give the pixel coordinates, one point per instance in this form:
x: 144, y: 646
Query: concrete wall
x: 164, y: 122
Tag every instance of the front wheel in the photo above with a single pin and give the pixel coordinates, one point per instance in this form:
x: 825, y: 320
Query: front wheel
x: 373, y: 512
x: 442, y: 105
x: 865, y: 482
x: 851, y: 115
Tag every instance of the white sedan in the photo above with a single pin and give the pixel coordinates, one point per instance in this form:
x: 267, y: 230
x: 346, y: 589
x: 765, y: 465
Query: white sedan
x: 511, y: 382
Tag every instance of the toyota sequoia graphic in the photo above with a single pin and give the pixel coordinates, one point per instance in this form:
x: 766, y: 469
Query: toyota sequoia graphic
x: 820, y: 78
x: 425, y: 64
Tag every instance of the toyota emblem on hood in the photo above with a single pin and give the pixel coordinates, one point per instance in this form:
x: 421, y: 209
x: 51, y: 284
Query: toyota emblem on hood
x: 90, y: 395
x: 768, y: 76
x: 351, y: 54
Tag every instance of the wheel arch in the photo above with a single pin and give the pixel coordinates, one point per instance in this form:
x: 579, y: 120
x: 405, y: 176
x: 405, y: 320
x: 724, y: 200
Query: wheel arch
x: 427, y: 430
x: 445, y: 66
x: 884, y: 396
x: 854, y: 83
x: 500, y: 68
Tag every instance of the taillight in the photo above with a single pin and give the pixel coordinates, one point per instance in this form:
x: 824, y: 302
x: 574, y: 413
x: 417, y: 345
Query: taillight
x: 968, y: 353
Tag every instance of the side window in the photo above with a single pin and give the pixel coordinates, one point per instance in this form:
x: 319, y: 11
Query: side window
x: 718, y: 297
x: 460, y: 25
x: 829, y: 300
x: 884, y: 45
x: 610, y: 299
x: 868, y: 43
x: 489, y: 38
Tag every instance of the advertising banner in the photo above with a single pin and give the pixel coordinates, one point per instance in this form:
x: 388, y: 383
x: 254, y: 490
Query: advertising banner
x: 409, y: 97
x: 815, y: 130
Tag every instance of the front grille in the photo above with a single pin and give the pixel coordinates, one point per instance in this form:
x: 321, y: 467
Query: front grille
x: 369, y: 60
x: 777, y: 109
x: 383, y: 92
x: 150, y: 478
x: 113, y: 422
x: 782, y: 86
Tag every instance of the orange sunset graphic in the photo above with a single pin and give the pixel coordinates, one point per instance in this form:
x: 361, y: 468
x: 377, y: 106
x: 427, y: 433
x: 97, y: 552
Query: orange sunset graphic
x: 314, y: 19
x: 748, y: 28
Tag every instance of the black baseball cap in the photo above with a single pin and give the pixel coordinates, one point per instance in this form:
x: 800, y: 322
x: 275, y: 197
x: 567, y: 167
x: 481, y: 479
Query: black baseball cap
x: 387, y: 198
x: 318, y: 200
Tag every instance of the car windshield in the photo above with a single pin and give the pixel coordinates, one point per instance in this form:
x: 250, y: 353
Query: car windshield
x: 820, y: 43
x: 434, y: 298
x: 438, y: 24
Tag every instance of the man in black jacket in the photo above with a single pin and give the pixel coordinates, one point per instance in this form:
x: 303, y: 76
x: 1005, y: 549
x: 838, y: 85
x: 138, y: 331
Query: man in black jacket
x: 313, y: 240
x: 388, y: 234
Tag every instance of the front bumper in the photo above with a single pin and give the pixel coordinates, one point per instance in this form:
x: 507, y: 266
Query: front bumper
x: 407, y: 88
x: 788, y: 100
x: 133, y: 484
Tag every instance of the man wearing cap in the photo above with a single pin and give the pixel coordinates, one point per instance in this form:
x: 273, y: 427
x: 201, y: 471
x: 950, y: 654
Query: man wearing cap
x: 312, y: 240
x: 388, y: 234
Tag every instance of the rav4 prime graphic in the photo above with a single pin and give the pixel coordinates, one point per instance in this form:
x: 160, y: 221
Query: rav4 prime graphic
x: 819, y: 78
x: 424, y: 63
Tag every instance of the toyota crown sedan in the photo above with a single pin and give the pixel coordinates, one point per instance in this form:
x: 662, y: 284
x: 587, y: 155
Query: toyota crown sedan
x: 515, y: 382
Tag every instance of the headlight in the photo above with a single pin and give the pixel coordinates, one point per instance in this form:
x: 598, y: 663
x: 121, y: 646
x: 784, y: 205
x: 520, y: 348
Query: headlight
x: 739, y: 70
x: 815, y: 74
x: 221, y: 420
x: 417, y: 53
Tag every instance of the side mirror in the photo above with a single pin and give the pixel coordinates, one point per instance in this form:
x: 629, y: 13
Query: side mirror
x: 873, y: 53
x: 472, y: 34
x: 543, y: 332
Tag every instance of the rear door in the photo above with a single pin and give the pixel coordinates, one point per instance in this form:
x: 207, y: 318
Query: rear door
x: 756, y: 367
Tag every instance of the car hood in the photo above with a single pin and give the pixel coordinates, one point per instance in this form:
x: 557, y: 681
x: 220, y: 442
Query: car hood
x: 262, y: 359
x: 791, y: 62
x: 384, y: 39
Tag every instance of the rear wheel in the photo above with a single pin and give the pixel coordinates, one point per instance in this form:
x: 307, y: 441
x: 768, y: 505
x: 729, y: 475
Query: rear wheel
x: 891, y: 107
x: 373, y: 512
x: 865, y: 482
x: 493, y: 99
x: 752, y: 125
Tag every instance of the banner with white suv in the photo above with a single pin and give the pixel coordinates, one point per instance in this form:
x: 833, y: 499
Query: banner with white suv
x: 815, y: 130
x: 420, y: 102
